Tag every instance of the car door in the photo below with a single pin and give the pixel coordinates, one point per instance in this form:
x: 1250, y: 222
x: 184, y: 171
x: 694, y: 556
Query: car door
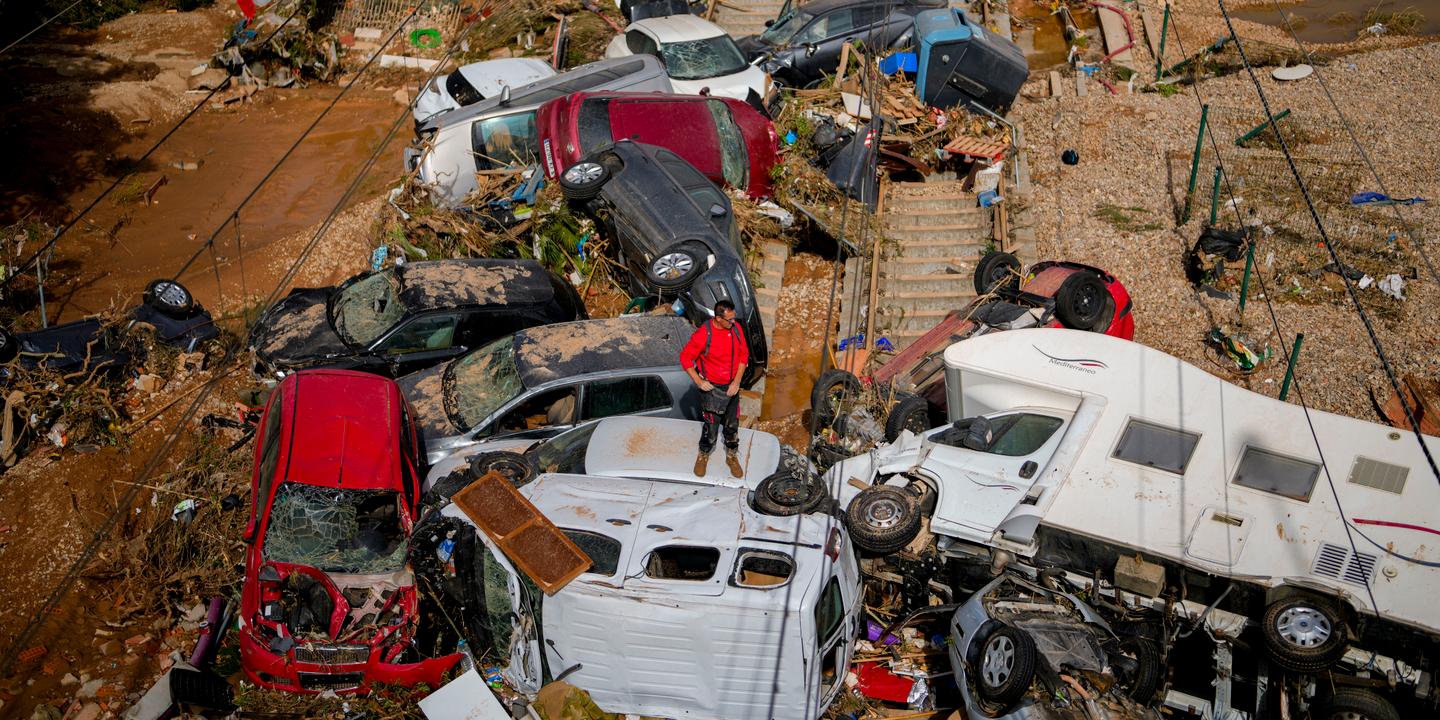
x: 418, y: 343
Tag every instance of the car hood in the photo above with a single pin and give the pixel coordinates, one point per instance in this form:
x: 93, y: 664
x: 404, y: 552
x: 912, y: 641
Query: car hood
x: 296, y: 331
x: 426, y: 393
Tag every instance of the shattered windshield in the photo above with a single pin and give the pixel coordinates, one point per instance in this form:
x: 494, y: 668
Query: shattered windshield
x: 336, y: 530
x: 367, y: 308
x: 564, y: 453
x: 700, y: 59
x: 734, y: 162
x: 479, y: 383
x: 785, y: 27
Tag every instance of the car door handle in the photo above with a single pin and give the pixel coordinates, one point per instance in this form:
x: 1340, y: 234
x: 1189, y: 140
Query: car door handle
x: 1027, y: 470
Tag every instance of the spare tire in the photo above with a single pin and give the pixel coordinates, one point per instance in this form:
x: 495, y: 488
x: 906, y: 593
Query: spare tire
x: 1080, y: 302
x: 1304, y: 634
x: 883, y: 519
x: 169, y: 298
x: 997, y: 270
x: 910, y: 412
x: 831, y: 388
x: 787, y: 492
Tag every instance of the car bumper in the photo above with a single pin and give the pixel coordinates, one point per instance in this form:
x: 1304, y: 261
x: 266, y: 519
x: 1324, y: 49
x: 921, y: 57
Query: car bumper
x: 336, y: 673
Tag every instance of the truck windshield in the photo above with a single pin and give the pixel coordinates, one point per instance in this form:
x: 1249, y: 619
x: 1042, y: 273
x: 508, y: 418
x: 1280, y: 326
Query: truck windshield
x: 476, y: 385
x: 336, y: 530
x: 362, y: 312
x: 700, y: 59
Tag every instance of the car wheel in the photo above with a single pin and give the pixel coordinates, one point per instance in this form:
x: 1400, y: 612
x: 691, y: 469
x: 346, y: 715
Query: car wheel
x: 995, y: 271
x: 1354, y: 704
x: 1303, y: 634
x: 833, y: 389
x: 1006, y: 666
x: 513, y: 466
x: 9, y: 346
x: 1080, y: 302
x: 583, y: 180
x: 677, y: 266
x: 169, y: 298
x: 883, y: 519
x: 790, y: 492
x: 1142, y: 685
x: 911, y: 412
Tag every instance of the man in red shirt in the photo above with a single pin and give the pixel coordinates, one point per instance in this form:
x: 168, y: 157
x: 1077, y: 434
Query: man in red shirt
x: 715, y: 358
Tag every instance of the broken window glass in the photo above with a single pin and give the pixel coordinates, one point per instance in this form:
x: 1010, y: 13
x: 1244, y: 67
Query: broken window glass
x: 477, y: 384
x: 785, y: 26
x: 681, y: 562
x: 700, y: 59
x: 763, y: 569
x: 604, y: 551
x: 498, y: 604
x: 336, y: 530
x: 461, y: 90
x: 564, y: 453
x: 367, y: 308
x: 734, y: 161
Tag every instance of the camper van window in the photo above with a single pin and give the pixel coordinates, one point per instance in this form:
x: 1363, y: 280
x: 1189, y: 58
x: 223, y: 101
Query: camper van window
x: 1155, y: 446
x: 762, y: 569
x: 604, y: 552
x: 829, y: 613
x: 1264, y: 470
x: 682, y: 562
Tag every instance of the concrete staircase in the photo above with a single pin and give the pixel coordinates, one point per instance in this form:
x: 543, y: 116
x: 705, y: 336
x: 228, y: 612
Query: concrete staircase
x: 746, y: 17
x: 767, y: 267
x: 935, y: 235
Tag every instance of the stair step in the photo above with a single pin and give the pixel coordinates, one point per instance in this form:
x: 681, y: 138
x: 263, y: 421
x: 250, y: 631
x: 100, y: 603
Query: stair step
x: 926, y: 228
x: 925, y: 295
x: 931, y: 212
x: 767, y: 292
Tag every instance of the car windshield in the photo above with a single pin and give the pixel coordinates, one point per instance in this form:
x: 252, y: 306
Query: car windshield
x: 368, y: 307
x: 477, y: 384
x: 336, y: 530
x: 785, y: 26
x: 734, y: 162
x: 564, y: 453
x: 700, y: 59
x: 461, y: 90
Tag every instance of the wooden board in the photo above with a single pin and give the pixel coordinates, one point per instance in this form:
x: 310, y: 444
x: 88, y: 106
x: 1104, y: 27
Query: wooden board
x: 1113, y: 28
x: 1152, y: 20
x: 518, y: 528
x: 975, y: 147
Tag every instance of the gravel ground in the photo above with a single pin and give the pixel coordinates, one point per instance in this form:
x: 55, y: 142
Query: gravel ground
x: 1123, y: 142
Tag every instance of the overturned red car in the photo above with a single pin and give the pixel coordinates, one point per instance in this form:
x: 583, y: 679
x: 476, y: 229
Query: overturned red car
x: 728, y: 141
x: 328, y: 602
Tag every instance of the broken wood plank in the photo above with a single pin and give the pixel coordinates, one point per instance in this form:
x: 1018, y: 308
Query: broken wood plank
x: 1057, y: 87
x: 1112, y: 27
x: 1152, y: 23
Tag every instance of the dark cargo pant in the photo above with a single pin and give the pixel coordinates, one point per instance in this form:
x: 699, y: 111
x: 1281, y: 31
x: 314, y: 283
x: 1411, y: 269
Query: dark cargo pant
x: 717, y: 408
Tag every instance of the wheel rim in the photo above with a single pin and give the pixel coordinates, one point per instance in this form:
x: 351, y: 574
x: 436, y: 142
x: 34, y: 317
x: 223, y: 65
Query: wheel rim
x: 1303, y: 626
x: 884, y: 513
x: 1087, y: 301
x: 512, y: 471
x: 673, y: 266
x: 997, y: 276
x: 788, y: 492
x: 916, y: 422
x: 170, y: 294
x: 584, y: 173
x: 999, y: 661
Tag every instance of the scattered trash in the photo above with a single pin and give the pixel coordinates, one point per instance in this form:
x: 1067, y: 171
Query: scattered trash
x: 1375, y: 198
x: 1237, y: 347
x: 1343, y: 270
x: 1393, y: 285
x: 467, y: 696
x: 1070, y: 157
x: 405, y: 61
x: 1294, y: 72
x: 184, y: 511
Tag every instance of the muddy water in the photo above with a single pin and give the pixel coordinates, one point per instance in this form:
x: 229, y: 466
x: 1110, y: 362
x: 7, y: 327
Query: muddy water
x: 1042, y: 34
x: 795, y: 349
x: 1333, y: 21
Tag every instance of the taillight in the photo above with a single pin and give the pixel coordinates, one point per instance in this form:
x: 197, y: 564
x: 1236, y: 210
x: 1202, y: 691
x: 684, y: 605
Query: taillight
x: 832, y: 546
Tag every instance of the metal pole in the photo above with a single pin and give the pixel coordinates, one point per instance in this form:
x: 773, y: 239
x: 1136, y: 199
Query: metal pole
x: 1247, y: 137
x: 1164, y: 30
x: 1215, y: 197
x: 1290, y: 368
x: 1245, y: 281
x: 1195, y: 164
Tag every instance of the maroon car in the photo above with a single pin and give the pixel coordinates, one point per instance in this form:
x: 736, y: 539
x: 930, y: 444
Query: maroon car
x: 728, y: 141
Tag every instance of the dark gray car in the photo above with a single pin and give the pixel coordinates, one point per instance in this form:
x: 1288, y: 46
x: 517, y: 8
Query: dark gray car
x: 804, y: 41
x: 539, y: 381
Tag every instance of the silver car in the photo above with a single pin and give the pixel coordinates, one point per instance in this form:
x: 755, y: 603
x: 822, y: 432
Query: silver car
x: 475, y: 82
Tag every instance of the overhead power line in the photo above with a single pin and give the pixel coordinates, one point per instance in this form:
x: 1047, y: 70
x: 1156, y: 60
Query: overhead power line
x: 37, y: 28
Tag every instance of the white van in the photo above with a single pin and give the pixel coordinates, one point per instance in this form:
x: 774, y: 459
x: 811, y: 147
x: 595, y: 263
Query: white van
x: 1077, y: 450
x: 695, y: 605
x: 500, y: 131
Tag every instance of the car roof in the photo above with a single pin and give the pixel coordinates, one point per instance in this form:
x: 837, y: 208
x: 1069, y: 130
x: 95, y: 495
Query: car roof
x: 473, y: 281
x: 815, y: 7
x: 537, y: 93
x: 678, y: 28
x: 552, y: 352
x: 344, y: 430
x: 664, y: 449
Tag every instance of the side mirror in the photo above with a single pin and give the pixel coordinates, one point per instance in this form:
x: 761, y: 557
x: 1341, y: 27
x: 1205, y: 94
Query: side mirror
x: 504, y: 95
x: 809, y: 49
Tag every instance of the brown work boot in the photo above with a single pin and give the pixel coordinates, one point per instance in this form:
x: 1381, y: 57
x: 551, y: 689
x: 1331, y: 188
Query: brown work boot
x: 732, y: 458
x: 701, y: 461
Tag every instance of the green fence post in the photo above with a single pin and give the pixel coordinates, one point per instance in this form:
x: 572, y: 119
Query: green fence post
x: 1215, y: 197
x: 1164, y: 30
x: 1290, y: 368
x: 1247, y: 137
x: 1195, y: 164
x: 1245, y: 281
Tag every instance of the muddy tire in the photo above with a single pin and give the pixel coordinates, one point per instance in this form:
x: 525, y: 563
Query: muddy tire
x: 583, y: 180
x: 1354, y: 704
x: 170, y: 298
x: 997, y: 270
x: 830, y: 389
x: 911, y: 412
x: 1006, y: 667
x: 788, y: 492
x: 9, y: 346
x: 1080, y: 302
x: 1303, y: 634
x: 883, y: 519
x: 677, y: 266
x: 1142, y: 685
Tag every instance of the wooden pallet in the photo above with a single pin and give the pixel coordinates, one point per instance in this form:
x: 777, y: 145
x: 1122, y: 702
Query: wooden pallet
x: 977, y: 148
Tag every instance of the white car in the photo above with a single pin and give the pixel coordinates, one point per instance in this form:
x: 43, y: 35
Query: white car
x: 475, y: 82
x: 697, y: 55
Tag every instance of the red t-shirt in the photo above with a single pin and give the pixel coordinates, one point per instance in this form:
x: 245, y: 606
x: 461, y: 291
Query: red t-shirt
x: 727, y: 352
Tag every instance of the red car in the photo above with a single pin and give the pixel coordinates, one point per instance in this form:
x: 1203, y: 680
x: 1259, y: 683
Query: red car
x: 1052, y: 293
x: 328, y: 602
x: 728, y: 141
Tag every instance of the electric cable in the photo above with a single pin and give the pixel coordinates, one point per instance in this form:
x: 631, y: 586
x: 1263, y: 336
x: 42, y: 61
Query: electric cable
x: 37, y: 28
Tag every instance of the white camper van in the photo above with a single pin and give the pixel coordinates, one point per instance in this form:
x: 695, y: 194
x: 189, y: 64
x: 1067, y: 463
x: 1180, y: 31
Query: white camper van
x: 1080, y: 451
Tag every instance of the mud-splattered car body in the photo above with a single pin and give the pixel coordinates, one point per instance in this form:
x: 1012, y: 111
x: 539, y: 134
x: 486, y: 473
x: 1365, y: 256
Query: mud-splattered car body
x: 409, y: 317
x: 540, y: 381
x: 329, y: 602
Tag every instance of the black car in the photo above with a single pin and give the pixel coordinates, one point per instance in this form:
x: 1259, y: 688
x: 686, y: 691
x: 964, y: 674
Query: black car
x: 410, y: 316
x: 676, y: 231
x: 803, y: 42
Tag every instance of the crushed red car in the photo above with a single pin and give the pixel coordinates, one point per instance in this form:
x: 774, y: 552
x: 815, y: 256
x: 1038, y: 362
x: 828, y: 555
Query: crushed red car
x: 1051, y: 293
x: 728, y: 141
x: 329, y: 602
